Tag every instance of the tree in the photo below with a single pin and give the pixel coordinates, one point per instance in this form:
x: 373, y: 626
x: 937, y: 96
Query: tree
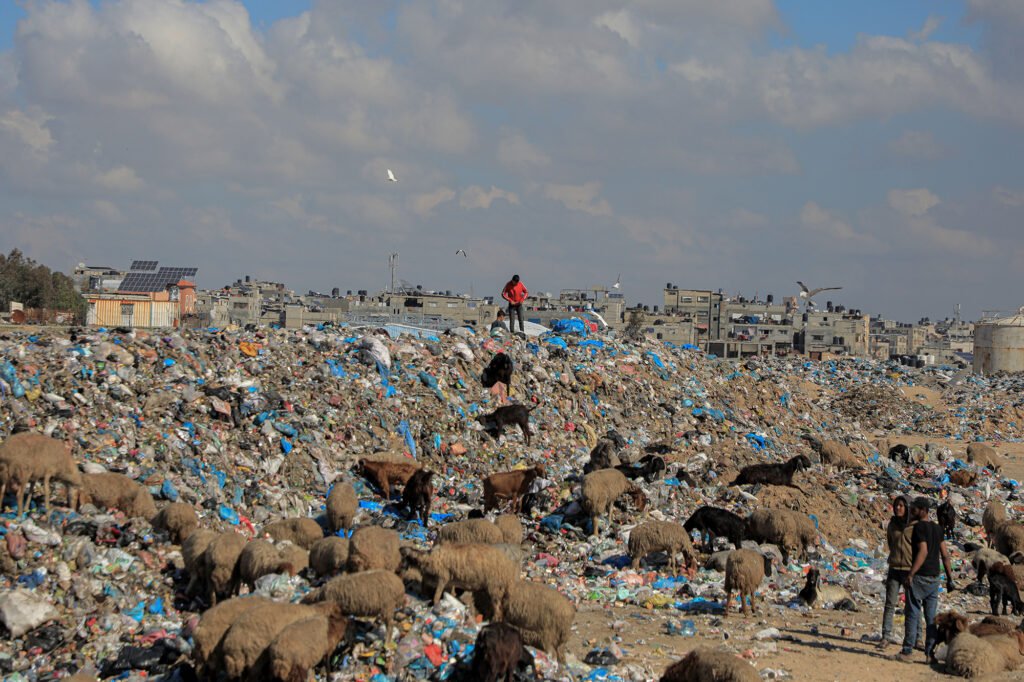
x: 635, y: 324
x: 36, y: 286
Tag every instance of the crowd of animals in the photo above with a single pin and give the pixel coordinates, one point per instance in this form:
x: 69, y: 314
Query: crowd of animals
x: 367, y: 575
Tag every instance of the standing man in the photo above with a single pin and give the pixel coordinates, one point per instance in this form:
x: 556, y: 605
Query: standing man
x: 901, y: 558
x: 515, y: 293
x: 922, y: 582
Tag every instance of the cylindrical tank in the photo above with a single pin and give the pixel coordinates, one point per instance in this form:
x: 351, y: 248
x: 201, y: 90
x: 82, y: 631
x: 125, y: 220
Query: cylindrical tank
x: 999, y: 345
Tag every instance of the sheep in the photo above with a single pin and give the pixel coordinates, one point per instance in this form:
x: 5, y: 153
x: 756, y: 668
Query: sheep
x: 418, y: 494
x: 220, y: 565
x: 329, y: 555
x: 511, y: 528
x: 469, y: 531
x: 212, y: 626
x: 991, y: 625
x: 815, y: 594
x: 301, y: 531
x: 710, y: 665
x: 714, y: 522
x: 773, y: 474
x: 602, y: 456
x: 542, y: 614
x: 984, y: 455
x: 1003, y: 587
x: 496, y: 653
x: 471, y: 567
x: 259, y: 558
x: 376, y: 594
x: 253, y: 631
x: 837, y: 454
x: 791, y: 531
x: 342, y: 506
x: 1009, y: 537
x: 946, y: 514
x: 660, y: 536
x: 963, y: 478
x: 178, y: 519
x: 510, y: 484
x: 373, y: 547
x: 982, y: 558
x: 602, y: 488
x: 192, y: 551
x: 744, y: 571
x: 302, y: 645
x: 117, y: 491
x: 992, y: 517
x: 294, y: 555
x: 718, y: 560
x: 516, y: 553
x: 29, y: 457
x: 384, y: 474
x: 971, y: 656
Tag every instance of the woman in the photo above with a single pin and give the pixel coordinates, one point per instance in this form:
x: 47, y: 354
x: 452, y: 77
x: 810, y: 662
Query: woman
x: 897, y: 537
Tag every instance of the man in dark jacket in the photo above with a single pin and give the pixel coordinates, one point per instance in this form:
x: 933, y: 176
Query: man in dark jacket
x: 515, y: 293
x: 901, y: 557
x: 922, y: 582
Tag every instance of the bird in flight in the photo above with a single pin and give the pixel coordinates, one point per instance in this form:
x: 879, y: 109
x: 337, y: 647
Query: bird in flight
x: 811, y: 293
x: 618, y: 281
x: 391, y: 176
x: 463, y: 252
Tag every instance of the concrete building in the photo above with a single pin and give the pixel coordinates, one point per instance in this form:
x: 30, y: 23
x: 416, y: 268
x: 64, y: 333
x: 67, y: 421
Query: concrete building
x: 96, y: 278
x: 999, y: 345
x: 149, y: 309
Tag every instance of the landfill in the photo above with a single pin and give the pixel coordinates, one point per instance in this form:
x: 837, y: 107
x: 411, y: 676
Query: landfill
x: 250, y: 426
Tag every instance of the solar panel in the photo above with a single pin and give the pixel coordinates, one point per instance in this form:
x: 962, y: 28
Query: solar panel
x: 143, y: 265
x: 143, y: 281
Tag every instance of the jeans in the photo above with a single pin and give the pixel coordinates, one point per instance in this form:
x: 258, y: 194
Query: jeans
x: 923, y: 594
x: 518, y: 310
x: 893, y: 584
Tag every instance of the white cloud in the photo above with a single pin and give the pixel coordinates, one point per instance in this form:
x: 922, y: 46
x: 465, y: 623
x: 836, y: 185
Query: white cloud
x: 478, y: 197
x: 912, y: 202
x: 915, y: 204
x: 517, y: 153
x: 424, y: 204
x: 823, y: 223
x: 917, y: 144
x: 931, y: 24
x: 585, y: 197
x: 107, y: 211
x: 121, y: 179
x: 30, y: 129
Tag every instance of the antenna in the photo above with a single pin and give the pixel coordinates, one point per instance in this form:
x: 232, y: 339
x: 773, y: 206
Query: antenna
x: 958, y: 314
x: 393, y: 264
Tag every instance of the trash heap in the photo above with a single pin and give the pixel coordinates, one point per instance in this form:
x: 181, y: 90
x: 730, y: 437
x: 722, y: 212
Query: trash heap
x: 253, y: 426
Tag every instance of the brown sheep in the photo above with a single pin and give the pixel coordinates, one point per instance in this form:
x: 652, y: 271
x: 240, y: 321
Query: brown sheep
x: 542, y: 614
x: 342, y: 506
x: 710, y: 665
x: 384, y: 474
x: 253, y: 631
x: 496, y: 653
x: 510, y: 485
x: 791, y: 531
x: 1009, y: 537
x: 837, y: 454
x: 471, y: 567
x: 192, y: 551
x: 993, y: 516
x: 600, y: 490
x: 469, y: 531
x: 511, y: 527
x: 744, y: 571
x: 210, y: 630
x: 260, y: 558
x: 368, y: 594
x: 301, y: 531
x: 29, y: 457
x: 220, y: 565
x: 963, y: 478
x: 661, y: 536
x: 178, y: 519
x: 971, y: 656
x: 80, y: 677
x: 302, y: 645
x: 294, y: 555
x: 329, y: 555
x: 984, y: 455
x: 373, y: 547
x: 117, y: 491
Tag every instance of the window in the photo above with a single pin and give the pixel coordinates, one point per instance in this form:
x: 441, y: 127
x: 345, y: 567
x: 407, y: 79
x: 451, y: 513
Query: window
x: 128, y: 309
x: 687, y: 299
x: 702, y: 299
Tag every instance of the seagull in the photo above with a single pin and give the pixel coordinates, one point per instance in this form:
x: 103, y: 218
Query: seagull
x: 463, y: 252
x: 810, y: 293
x: 391, y: 176
x: 618, y: 281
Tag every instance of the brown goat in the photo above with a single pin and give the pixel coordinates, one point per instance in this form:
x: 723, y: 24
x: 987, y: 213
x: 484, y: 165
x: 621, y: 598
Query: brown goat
x: 510, y: 484
x: 385, y: 474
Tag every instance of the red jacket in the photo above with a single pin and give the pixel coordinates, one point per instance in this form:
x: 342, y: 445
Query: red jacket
x: 514, y: 292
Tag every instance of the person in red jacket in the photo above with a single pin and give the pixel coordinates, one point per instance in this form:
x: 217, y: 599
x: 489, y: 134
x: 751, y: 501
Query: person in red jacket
x: 515, y: 293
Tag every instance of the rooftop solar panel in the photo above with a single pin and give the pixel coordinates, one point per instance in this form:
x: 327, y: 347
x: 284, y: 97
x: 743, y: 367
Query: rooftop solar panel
x: 145, y: 281
x: 143, y: 265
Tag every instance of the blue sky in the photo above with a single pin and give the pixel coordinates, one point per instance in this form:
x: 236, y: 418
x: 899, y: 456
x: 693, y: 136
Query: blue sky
x: 741, y: 144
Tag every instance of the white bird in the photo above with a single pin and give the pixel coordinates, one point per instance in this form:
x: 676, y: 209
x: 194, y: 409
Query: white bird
x: 391, y: 176
x: 810, y: 293
x: 618, y: 281
x: 463, y: 252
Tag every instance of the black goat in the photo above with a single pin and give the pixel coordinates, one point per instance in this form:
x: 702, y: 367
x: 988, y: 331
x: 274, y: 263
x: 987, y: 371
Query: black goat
x: 946, y: 514
x: 773, y: 474
x: 714, y: 523
x: 1002, y: 589
x: 417, y: 495
x: 650, y: 467
x: 602, y: 457
x: 498, y: 369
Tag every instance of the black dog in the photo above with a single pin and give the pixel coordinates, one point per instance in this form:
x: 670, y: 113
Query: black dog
x: 946, y: 514
x: 499, y: 369
x: 650, y: 467
x: 495, y: 422
x: 713, y: 523
x: 773, y: 474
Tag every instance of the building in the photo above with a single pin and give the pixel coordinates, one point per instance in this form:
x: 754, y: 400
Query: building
x: 94, y: 278
x: 999, y: 345
x: 146, y: 297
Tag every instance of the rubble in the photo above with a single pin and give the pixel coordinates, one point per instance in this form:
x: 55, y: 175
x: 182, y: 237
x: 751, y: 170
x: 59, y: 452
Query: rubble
x: 251, y: 427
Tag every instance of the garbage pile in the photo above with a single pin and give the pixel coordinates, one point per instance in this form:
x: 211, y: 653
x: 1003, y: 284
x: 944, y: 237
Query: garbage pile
x: 250, y: 427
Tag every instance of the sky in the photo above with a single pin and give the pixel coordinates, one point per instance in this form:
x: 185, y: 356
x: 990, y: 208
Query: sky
x: 736, y: 144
